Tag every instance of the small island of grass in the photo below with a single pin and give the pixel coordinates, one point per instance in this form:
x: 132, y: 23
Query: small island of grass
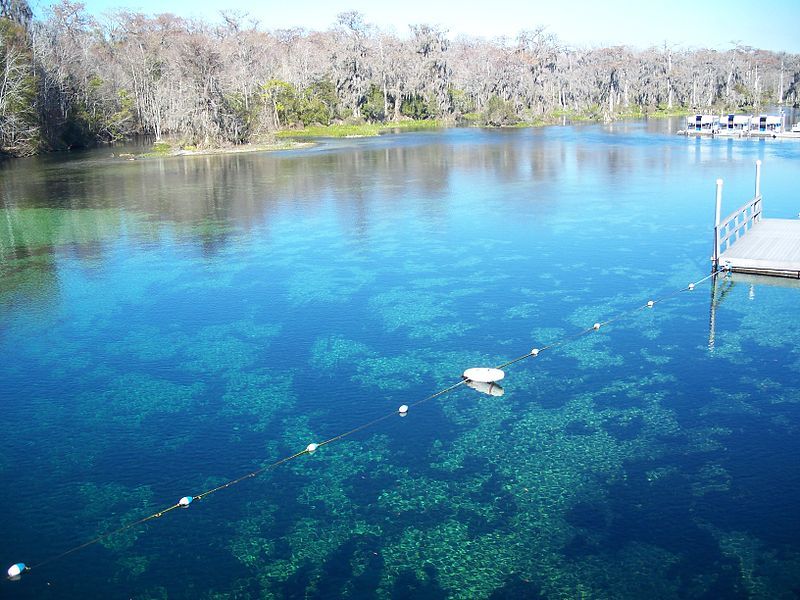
x: 164, y: 148
x: 364, y: 129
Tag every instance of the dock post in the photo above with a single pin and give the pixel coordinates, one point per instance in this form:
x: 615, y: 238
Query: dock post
x: 715, y: 258
x: 758, y: 178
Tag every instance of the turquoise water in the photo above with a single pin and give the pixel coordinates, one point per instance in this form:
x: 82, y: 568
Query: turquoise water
x: 167, y: 325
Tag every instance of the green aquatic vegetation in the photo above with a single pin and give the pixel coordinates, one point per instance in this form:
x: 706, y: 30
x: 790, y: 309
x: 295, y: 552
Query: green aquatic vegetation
x: 659, y: 360
x: 460, y: 561
x: 331, y: 353
x: 593, y: 351
x: 422, y: 315
x: 652, y: 387
x: 35, y: 280
x: 526, y: 310
x: 111, y: 505
x: 725, y: 402
x: 706, y: 439
x: 131, y: 398
x: 665, y: 472
x: 392, y: 373
x: 296, y: 434
x: 767, y: 324
x: 414, y: 494
x: 260, y: 332
x: 312, y: 544
x: 327, y: 480
x: 634, y: 570
x: 252, y: 544
x: 541, y: 468
x: 259, y: 396
x: 418, y: 366
x: 544, y: 336
x: 32, y: 228
x: 216, y: 349
x: 711, y: 477
x: 586, y: 315
x: 153, y: 593
x: 546, y: 470
x: 772, y: 391
x: 652, y: 323
x: 132, y: 567
x: 765, y: 572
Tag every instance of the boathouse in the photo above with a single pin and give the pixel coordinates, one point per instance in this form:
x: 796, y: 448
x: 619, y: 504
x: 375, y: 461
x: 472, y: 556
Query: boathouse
x: 766, y: 124
x: 702, y: 123
x: 736, y: 123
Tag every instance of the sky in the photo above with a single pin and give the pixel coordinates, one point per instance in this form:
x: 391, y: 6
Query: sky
x: 719, y: 24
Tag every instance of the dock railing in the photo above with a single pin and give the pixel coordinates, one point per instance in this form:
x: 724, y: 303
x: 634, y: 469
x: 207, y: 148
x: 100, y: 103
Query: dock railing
x: 735, y: 225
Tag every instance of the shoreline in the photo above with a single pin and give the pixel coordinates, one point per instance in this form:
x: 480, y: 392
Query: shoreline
x: 300, y: 139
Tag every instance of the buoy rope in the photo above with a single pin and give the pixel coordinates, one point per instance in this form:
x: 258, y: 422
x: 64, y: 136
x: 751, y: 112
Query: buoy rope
x: 579, y: 334
x: 313, y: 447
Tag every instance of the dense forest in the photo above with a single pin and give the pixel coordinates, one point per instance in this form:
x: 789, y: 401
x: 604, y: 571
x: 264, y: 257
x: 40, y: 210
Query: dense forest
x: 70, y: 80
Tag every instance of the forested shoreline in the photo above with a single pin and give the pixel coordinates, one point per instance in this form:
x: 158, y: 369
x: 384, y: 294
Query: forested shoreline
x: 70, y: 80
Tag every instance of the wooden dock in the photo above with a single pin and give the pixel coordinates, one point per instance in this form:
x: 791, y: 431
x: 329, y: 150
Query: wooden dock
x: 744, y: 242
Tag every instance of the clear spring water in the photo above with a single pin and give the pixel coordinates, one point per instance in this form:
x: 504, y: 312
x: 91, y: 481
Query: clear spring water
x: 170, y: 324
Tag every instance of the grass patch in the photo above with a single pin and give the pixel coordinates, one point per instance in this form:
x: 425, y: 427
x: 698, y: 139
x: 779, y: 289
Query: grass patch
x: 161, y: 148
x: 164, y: 149
x: 359, y: 130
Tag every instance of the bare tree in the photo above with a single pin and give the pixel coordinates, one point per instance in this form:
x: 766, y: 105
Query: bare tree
x: 69, y: 79
x: 19, y: 131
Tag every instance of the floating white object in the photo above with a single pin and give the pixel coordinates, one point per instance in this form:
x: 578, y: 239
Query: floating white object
x: 596, y: 326
x: 403, y: 410
x: 16, y: 570
x: 535, y: 352
x: 311, y: 448
x: 650, y: 304
x: 484, y: 374
x: 492, y: 389
x: 691, y: 286
x: 185, y: 501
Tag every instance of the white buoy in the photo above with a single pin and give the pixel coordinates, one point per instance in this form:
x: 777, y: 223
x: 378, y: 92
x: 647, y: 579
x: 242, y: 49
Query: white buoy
x: 403, y: 410
x: 535, y: 352
x: 650, y: 304
x: 16, y: 570
x: 484, y: 374
x: 185, y: 501
x: 596, y: 326
x: 491, y: 389
x: 311, y: 448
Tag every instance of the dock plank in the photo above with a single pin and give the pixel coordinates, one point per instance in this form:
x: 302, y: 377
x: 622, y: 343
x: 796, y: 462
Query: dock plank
x: 771, y: 246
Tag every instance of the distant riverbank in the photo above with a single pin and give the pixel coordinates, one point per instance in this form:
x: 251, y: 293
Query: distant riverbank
x: 296, y: 139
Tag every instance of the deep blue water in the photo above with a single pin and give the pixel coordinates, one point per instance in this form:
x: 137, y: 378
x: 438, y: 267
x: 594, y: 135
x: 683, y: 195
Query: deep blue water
x: 167, y: 325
